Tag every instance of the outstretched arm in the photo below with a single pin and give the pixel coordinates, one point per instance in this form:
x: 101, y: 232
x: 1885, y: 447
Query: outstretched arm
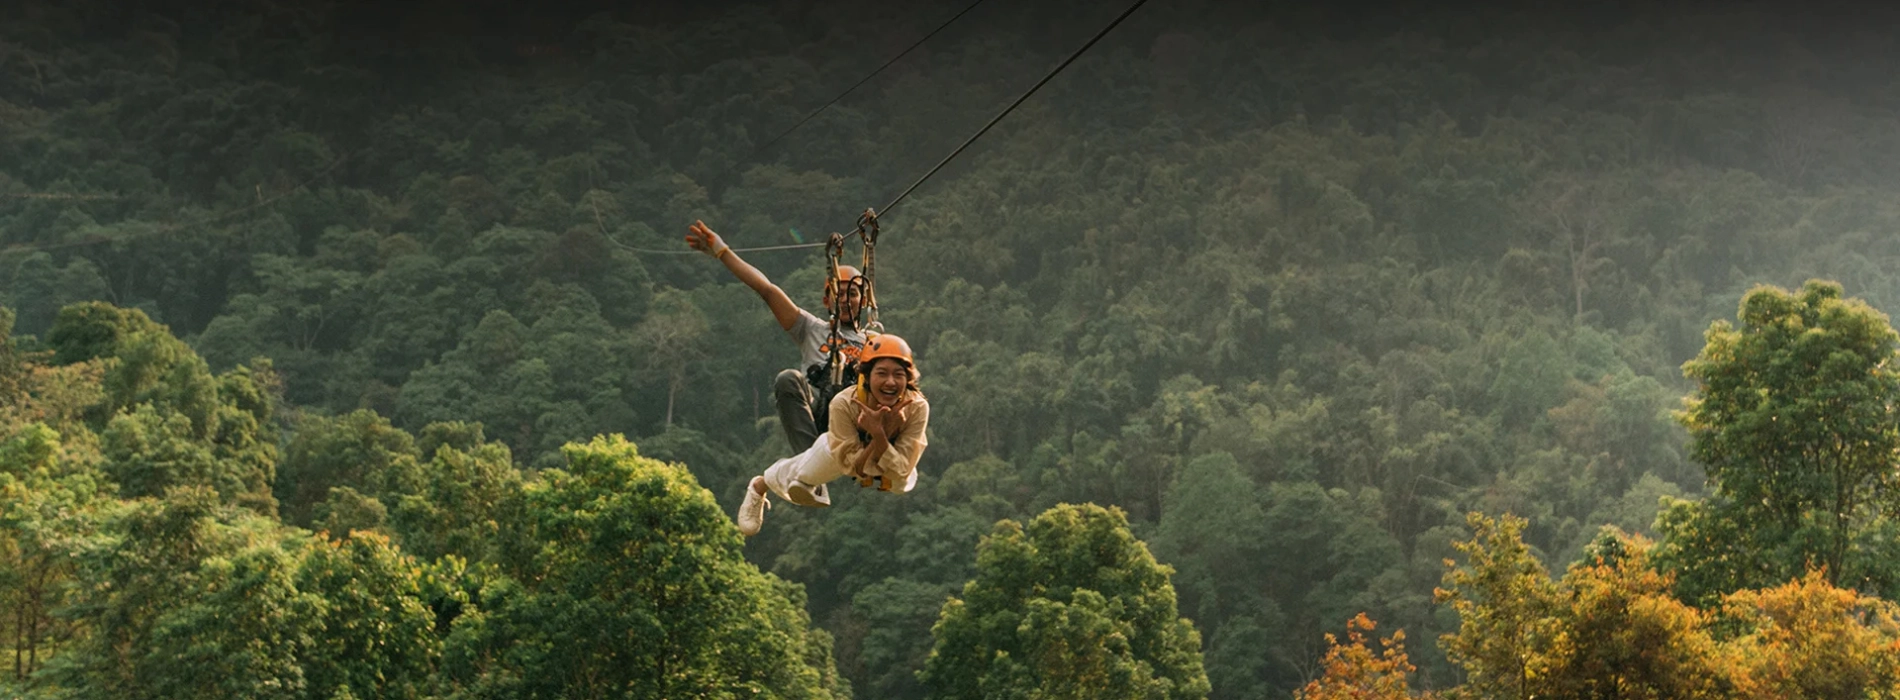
x: 702, y: 239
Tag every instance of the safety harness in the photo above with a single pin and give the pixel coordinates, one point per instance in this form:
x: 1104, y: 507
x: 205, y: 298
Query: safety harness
x: 831, y: 376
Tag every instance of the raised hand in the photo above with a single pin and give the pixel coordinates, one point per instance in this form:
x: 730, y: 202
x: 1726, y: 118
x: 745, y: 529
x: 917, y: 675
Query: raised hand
x: 895, y: 420
x: 872, y: 421
x: 701, y: 238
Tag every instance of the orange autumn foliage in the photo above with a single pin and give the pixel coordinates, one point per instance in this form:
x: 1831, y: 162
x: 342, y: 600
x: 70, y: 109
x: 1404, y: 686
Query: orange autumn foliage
x: 1810, y: 639
x: 1355, y: 672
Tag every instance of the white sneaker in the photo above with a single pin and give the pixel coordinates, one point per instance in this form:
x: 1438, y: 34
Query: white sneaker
x: 752, y: 509
x: 808, y: 496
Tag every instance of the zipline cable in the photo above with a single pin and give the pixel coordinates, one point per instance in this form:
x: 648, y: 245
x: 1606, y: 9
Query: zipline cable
x: 973, y: 137
x: 768, y: 144
x: 867, y: 229
x: 865, y: 79
x: 966, y: 143
x: 1012, y: 106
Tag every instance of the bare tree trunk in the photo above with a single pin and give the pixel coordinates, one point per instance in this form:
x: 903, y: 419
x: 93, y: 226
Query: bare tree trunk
x: 1572, y: 210
x: 1842, y: 504
x: 32, y: 643
x: 19, y: 642
x: 1577, y: 280
x: 39, y: 613
x: 1799, y: 129
x: 672, y: 392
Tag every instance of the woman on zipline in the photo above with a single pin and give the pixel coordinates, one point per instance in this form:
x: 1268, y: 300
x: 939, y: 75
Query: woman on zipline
x: 876, y: 433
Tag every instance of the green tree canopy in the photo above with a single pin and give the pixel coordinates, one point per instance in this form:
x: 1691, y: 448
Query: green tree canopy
x: 628, y: 580
x: 1072, y: 606
x: 1794, y: 418
x: 200, y: 599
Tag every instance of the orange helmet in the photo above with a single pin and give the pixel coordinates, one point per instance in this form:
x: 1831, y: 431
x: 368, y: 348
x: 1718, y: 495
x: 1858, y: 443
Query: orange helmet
x: 878, y: 347
x: 885, y: 345
x: 846, y: 273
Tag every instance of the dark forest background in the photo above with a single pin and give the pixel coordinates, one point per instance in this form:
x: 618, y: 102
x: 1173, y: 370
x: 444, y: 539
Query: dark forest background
x: 1294, y: 288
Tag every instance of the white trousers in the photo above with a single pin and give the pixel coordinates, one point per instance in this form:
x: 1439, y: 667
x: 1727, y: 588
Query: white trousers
x: 814, y: 468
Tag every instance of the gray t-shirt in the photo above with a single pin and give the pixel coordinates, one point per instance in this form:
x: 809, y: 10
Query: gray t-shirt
x: 810, y: 332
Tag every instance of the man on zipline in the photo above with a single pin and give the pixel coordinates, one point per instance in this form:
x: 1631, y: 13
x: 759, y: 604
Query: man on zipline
x: 797, y: 398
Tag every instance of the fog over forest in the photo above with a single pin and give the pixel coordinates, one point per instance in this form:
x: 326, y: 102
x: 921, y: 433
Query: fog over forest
x: 1272, y: 351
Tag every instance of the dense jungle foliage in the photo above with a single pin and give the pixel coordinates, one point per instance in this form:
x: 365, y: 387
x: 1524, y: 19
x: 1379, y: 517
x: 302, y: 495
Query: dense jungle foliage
x: 334, y: 366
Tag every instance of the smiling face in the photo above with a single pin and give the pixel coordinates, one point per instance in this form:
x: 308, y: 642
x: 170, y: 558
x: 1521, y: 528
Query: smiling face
x: 853, y: 298
x: 847, y: 303
x: 887, y: 380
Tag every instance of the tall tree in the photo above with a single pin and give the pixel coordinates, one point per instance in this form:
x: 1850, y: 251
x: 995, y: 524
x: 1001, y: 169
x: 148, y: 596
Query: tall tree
x: 1073, y: 606
x: 166, y: 418
x: 672, y: 339
x: 465, y: 499
x: 1609, y: 629
x: 1507, y: 610
x: 628, y: 581
x: 1624, y: 635
x: 49, y: 499
x: 1794, y: 417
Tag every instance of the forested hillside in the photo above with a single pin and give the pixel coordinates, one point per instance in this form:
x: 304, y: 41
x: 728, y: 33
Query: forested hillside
x: 339, y: 339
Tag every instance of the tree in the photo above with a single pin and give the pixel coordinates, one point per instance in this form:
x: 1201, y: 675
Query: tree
x: 629, y: 580
x: 359, y: 450
x: 1531, y: 378
x: 32, y: 391
x: 149, y: 453
x: 1355, y: 672
x: 1609, y: 629
x: 672, y: 340
x: 235, y: 626
x: 376, y: 637
x: 1794, y: 419
x: 299, y: 306
x: 152, y: 366
x: 197, y: 599
x: 49, y: 500
x: 213, y: 429
x: 489, y: 377
x: 897, y: 615
x: 50, y: 495
x: 464, y: 500
x: 1507, y: 611
x: 1241, y: 565
x: 1809, y: 639
x: 1073, y: 606
x: 1624, y: 635
x: 1212, y: 531
x: 1579, y: 215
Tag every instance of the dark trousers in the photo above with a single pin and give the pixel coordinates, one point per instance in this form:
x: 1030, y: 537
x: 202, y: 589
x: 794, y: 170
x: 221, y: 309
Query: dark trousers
x: 792, y: 396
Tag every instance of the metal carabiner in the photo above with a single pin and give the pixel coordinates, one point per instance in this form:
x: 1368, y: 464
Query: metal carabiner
x: 867, y: 226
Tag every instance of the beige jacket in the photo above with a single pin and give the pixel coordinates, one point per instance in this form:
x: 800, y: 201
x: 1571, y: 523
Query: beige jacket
x: 900, y: 461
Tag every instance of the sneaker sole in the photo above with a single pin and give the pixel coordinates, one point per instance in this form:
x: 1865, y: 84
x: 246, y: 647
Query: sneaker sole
x: 803, y: 495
